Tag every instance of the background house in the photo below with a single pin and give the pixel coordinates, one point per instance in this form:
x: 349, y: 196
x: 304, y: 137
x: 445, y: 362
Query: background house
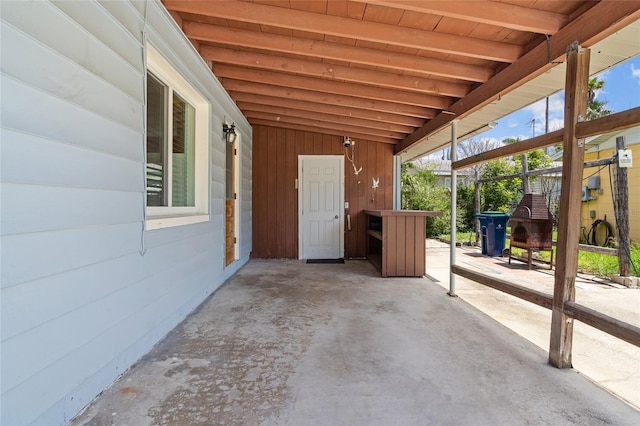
x: 597, y: 201
x: 442, y: 169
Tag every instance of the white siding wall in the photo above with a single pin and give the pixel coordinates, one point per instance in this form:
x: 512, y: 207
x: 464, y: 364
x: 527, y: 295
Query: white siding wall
x: 84, y: 291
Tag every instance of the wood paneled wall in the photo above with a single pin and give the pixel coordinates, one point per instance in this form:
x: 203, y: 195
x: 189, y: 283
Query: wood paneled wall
x: 275, y: 198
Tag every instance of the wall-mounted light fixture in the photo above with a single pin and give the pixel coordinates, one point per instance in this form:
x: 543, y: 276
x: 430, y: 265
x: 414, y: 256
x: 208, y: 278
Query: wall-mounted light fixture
x: 229, y: 132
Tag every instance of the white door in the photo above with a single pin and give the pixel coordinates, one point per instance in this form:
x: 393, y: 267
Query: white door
x: 320, y: 206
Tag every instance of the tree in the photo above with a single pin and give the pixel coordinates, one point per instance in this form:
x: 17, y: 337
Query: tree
x: 501, y: 195
x: 420, y: 192
x: 470, y: 148
x: 595, y: 108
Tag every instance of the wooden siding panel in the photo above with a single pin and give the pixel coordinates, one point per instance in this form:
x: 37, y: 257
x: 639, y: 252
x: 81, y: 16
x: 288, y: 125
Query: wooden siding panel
x: 280, y: 171
x: 259, y: 194
x: 246, y: 205
x: 291, y: 199
x: 419, y: 247
x: 410, y: 242
x: 376, y: 159
x: 272, y: 202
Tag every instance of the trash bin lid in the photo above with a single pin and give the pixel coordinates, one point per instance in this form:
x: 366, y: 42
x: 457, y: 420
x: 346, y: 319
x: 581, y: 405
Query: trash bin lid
x: 490, y: 214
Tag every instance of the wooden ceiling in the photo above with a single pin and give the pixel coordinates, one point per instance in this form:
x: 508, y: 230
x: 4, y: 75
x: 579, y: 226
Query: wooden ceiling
x: 391, y: 71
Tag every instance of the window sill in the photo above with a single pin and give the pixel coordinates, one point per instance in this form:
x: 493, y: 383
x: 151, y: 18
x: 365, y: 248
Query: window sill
x: 171, y: 221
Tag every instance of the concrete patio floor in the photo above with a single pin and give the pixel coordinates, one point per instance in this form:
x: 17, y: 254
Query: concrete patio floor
x: 608, y: 361
x: 289, y: 343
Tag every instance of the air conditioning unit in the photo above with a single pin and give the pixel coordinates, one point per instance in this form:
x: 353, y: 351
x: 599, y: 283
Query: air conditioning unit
x: 586, y: 194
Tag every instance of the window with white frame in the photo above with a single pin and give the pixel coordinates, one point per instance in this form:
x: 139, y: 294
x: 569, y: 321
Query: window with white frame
x: 177, y: 146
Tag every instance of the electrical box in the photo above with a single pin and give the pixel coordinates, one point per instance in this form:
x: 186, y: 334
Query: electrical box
x: 624, y: 158
x: 593, y: 182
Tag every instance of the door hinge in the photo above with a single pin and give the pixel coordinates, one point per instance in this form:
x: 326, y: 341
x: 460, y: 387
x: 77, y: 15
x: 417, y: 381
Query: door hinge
x: 235, y: 196
x: 235, y: 240
x: 235, y: 151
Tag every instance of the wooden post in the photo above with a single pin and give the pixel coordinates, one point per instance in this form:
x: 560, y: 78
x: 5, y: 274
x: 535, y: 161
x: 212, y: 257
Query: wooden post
x: 525, y: 174
x: 576, y: 85
x: 621, y: 201
x: 476, y: 209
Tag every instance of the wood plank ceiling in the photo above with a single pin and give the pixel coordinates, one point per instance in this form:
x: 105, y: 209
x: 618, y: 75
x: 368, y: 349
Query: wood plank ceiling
x: 390, y: 71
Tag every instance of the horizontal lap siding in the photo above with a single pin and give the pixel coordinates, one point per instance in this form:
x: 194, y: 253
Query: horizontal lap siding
x: 275, y: 198
x: 85, y: 292
x: 603, y: 204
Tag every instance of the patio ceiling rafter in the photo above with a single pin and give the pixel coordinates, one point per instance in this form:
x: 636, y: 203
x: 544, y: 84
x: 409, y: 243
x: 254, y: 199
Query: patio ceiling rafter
x: 324, y: 108
x: 318, y: 49
x: 493, y: 13
x: 392, y: 62
x: 594, y: 25
x: 337, y: 26
x: 327, y: 98
x: 249, y: 107
x: 335, y: 87
x: 335, y: 72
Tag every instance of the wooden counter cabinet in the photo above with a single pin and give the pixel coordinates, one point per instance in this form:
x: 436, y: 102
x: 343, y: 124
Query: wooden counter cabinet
x: 396, y: 241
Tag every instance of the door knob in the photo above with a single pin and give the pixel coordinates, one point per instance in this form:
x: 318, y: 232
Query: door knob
x: 336, y: 217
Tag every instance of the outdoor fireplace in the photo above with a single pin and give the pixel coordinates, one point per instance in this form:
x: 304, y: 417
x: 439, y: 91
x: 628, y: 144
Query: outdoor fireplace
x: 532, y: 226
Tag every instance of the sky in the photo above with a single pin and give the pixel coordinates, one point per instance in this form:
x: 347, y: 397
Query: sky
x: 621, y: 92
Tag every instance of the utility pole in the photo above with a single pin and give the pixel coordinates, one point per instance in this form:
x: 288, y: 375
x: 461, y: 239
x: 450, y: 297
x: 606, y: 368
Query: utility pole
x: 525, y: 165
x: 621, y: 207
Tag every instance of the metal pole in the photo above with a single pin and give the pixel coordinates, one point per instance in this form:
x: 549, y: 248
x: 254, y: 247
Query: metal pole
x: 397, y: 181
x: 454, y: 191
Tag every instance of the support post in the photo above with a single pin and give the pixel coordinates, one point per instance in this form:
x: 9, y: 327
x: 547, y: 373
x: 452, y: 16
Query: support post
x: 576, y: 86
x: 454, y: 193
x: 397, y: 182
x: 525, y: 174
x: 621, y: 205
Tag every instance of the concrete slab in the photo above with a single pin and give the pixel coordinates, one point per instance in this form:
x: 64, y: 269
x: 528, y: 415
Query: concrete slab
x: 287, y: 343
x: 610, y: 362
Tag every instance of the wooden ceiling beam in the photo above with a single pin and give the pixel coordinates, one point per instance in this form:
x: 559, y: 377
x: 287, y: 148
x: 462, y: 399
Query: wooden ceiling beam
x: 338, y: 26
x: 333, y: 71
x: 325, y: 98
x: 365, y: 114
x: 339, y: 52
x: 343, y: 128
x: 505, y: 15
x: 595, y: 24
x: 609, y: 123
x: 326, y: 130
x: 335, y: 87
x: 246, y: 107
